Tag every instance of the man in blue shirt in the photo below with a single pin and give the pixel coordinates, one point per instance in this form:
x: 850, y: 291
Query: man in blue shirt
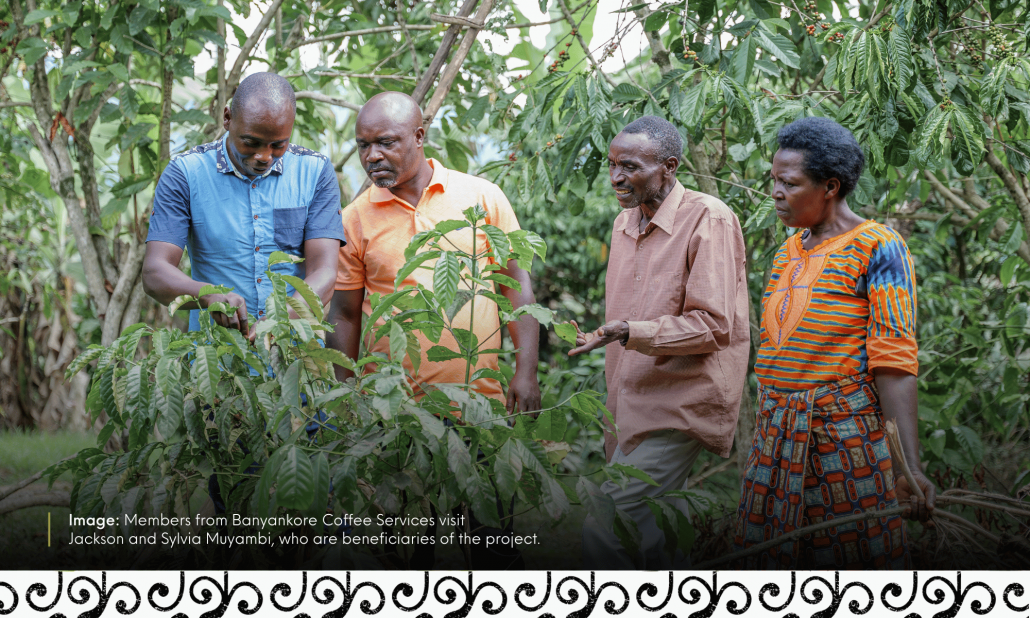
x: 236, y: 200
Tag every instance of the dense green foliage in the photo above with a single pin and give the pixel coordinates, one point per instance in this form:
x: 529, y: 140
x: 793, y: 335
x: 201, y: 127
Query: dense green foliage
x: 209, y: 403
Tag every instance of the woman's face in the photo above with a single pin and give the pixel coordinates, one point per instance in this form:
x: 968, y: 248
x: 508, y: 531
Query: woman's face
x: 800, y: 201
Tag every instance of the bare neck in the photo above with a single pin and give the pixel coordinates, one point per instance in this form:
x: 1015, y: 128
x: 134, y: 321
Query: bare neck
x: 841, y: 220
x: 411, y: 191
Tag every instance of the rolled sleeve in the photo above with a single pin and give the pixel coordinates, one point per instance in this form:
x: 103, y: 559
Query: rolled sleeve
x: 710, y: 297
x: 323, y: 220
x: 170, y: 220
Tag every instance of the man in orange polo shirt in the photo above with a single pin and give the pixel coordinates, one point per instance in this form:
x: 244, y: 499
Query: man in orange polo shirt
x: 411, y: 194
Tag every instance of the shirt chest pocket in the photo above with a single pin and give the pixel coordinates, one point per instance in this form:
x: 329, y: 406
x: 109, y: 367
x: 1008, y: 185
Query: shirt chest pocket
x: 289, y: 229
x: 665, y: 294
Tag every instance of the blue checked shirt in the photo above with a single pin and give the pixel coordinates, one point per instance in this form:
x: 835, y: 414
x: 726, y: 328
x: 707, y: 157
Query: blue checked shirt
x: 231, y: 223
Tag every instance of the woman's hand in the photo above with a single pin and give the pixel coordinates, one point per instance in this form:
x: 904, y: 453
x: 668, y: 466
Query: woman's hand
x: 919, y: 509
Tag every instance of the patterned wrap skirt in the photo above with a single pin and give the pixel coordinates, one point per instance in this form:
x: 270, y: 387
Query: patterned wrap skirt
x: 818, y: 455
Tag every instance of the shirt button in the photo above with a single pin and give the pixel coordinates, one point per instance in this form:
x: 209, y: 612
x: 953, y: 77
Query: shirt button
x: 262, y: 312
x: 623, y: 391
x: 259, y: 280
x: 257, y: 248
x: 634, y: 313
x: 638, y: 277
x: 253, y: 186
x: 255, y: 217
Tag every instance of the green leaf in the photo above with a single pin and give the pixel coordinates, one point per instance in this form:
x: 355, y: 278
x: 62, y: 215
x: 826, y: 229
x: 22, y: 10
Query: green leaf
x: 539, y: 313
x: 498, y: 243
x: 38, y: 15
x: 309, y: 296
x: 82, y: 360
x: 127, y: 187
x: 1015, y: 239
x: 195, y: 116
x: 333, y: 356
x: 504, y: 280
x: 278, y: 257
x: 627, y: 93
x: 626, y: 530
x: 398, y: 341
x: 743, y: 61
x: 445, y: 279
x: 460, y: 300
x: 599, y: 504
x: 551, y: 425
x: 140, y: 18
x: 31, y: 50
x: 705, y: 10
x: 179, y: 302
x: 320, y: 480
x: 656, y: 20
x: 291, y: 384
x: 566, y: 331
x: 459, y: 461
x: 693, y: 106
x: 412, y: 264
x: 779, y: 46
x: 450, y: 225
x: 206, y: 372
x: 296, y: 479
x: 439, y: 353
x: 507, y: 470
x: 1008, y: 269
x: 635, y: 473
x: 760, y: 214
x: 970, y: 441
x: 937, y: 441
x: 900, y: 53
x: 969, y: 138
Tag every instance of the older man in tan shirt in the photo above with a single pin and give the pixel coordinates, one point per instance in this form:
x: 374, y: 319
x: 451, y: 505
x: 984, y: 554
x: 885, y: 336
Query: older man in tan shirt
x: 676, y: 300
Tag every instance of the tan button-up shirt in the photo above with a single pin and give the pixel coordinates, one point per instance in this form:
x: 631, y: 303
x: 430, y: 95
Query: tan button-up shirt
x: 682, y: 287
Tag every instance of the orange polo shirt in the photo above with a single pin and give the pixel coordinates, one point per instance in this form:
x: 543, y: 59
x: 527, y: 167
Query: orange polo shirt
x: 379, y: 226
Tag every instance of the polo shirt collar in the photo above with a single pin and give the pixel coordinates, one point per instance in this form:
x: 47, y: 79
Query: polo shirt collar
x: 665, y: 218
x: 223, y: 161
x: 440, y: 179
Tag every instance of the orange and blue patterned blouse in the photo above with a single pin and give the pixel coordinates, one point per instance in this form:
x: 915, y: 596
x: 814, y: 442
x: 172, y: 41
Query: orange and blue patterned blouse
x: 842, y: 309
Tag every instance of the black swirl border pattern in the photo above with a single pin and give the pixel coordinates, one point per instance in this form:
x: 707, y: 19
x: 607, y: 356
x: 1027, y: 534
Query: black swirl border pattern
x: 450, y: 595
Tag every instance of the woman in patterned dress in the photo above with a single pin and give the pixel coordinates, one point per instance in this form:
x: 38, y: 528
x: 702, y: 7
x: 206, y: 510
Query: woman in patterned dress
x: 837, y: 360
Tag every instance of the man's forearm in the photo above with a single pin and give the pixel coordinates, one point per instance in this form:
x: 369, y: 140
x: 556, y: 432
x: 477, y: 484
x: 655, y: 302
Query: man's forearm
x: 164, y: 283
x: 321, y: 283
x: 697, y: 332
x: 525, y: 333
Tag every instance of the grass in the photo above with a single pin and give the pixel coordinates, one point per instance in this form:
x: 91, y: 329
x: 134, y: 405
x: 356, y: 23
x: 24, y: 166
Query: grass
x: 23, y: 453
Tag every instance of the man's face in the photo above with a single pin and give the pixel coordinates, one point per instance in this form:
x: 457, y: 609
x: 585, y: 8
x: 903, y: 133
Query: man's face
x: 390, y: 151
x: 635, y: 171
x: 258, y: 136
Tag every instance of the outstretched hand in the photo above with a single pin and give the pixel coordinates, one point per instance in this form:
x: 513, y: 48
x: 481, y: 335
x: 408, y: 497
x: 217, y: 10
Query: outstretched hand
x: 615, y: 330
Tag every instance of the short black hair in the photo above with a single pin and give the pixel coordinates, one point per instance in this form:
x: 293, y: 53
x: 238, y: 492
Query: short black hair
x: 829, y: 150
x: 272, y: 88
x: 666, y: 139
